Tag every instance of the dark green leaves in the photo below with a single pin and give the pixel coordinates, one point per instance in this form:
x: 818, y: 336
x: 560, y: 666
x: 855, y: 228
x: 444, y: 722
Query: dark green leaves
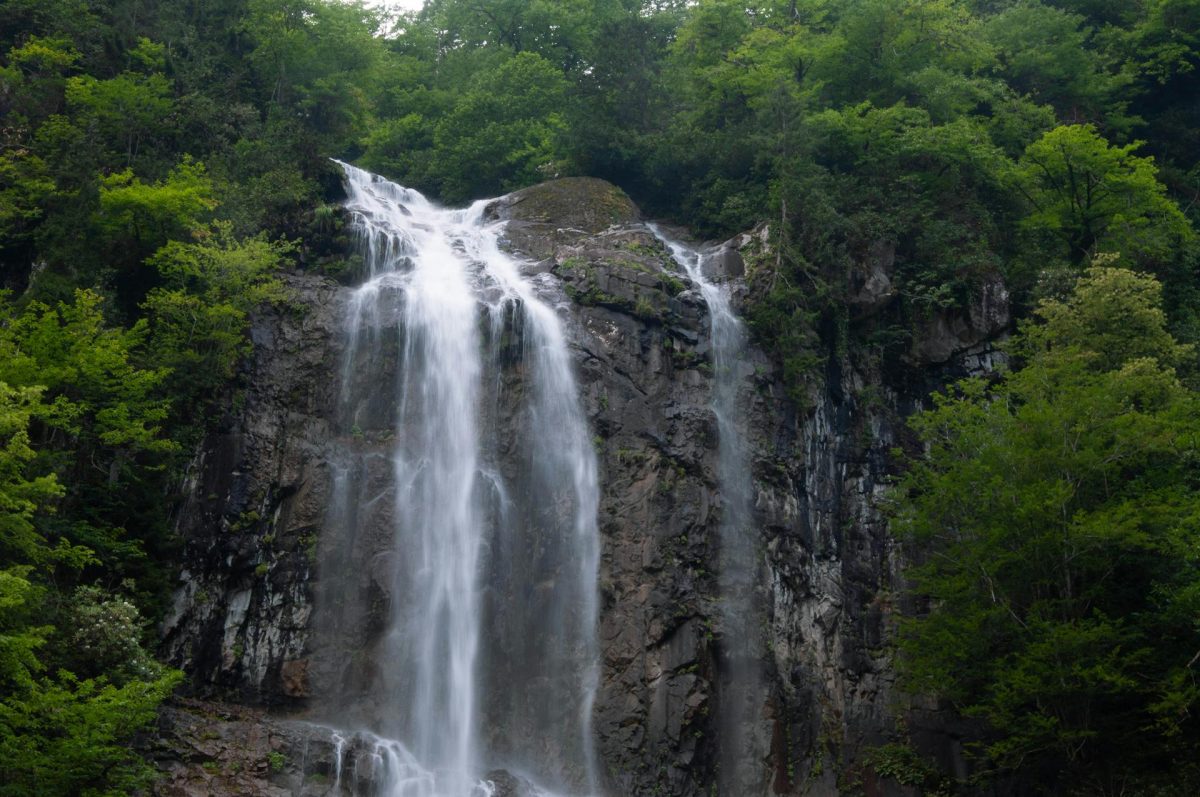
x: 1053, y: 514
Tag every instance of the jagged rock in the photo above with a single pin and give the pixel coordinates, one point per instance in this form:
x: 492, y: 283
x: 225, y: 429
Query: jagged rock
x: 954, y: 331
x: 871, y: 282
x: 506, y: 784
x: 259, y: 487
x: 255, y: 500
x: 544, y: 217
x: 725, y: 264
x: 293, y: 676
x: 206, y: 749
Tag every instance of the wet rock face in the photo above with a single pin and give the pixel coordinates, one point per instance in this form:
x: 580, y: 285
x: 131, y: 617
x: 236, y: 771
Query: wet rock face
x: 207, y: 748
x: 259, y: 489
x: 254, y: 508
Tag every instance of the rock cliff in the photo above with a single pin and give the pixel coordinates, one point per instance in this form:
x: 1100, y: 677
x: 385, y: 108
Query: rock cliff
x: 257, y: 493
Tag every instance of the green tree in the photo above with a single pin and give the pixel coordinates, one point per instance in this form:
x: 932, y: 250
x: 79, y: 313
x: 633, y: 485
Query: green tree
x: 620, y: 99
x: 136, y: 218
x: 125, y: 110
x: 1053, y: 513
x: 934, y: 192
x: 20, y: 494
x: 1091, y: 197
x: 887, y: 45
x: 564, y: 33
x: 1167, y: 39
x: 98, y: 427
x: 63, y: 736
x: 33, y: 82
x: 503, y: 132
x: 199, y: 315
x: 95, y: 392
x: 31, y: 89
x: 68, y: 737
x: 25, y: 185
x: 1043, y: 51
x: 148, y: 215
x: 19, y: 638
x: 319, y: 59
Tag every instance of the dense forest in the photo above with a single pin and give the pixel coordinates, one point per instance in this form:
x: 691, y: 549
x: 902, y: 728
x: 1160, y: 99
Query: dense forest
x: 163, y: 161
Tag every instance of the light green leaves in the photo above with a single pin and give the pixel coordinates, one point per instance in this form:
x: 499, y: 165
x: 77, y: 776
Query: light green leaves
x: 153, y: 213
x: 1094, y: 197
x: 199, y: 313
x: 22, y: 494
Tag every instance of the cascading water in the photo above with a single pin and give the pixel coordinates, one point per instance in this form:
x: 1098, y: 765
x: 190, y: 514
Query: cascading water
x: 457, y: 605
x: 741, y: 691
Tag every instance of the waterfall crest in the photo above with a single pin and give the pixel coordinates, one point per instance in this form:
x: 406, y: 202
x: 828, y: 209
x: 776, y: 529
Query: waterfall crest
x: 466, y: 482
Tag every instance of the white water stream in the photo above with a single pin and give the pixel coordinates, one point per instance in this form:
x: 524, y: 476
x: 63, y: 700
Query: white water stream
x: 741, y: 689
x: 487, y: 658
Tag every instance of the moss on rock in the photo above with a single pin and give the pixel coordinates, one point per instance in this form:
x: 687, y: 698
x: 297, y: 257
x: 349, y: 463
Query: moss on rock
x: 585, y: 203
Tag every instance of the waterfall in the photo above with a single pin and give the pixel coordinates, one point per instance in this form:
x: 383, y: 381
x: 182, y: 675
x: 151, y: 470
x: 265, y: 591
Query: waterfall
x: 741, y: 686
x: 457, y: 603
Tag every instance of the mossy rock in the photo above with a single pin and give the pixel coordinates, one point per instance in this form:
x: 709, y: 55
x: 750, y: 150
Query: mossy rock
x: 583, y: 203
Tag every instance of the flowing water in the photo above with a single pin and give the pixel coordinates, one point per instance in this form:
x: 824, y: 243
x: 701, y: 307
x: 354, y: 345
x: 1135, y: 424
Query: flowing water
x: 457, y: 603
x: 742, y: 767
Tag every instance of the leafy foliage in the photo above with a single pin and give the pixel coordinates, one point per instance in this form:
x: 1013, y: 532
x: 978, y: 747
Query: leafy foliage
x: 20, y: 495
x: 199, y: 314
x: 1055, y: 513
x: 66, y: 736
x: 1095, y: 197
x: 62, y: 735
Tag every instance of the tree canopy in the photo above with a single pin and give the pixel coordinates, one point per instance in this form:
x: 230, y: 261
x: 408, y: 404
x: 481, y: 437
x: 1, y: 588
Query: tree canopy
x: 1054, y: 512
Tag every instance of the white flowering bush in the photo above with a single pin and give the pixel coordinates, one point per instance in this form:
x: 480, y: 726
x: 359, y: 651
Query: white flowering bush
x: 104, y: 635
